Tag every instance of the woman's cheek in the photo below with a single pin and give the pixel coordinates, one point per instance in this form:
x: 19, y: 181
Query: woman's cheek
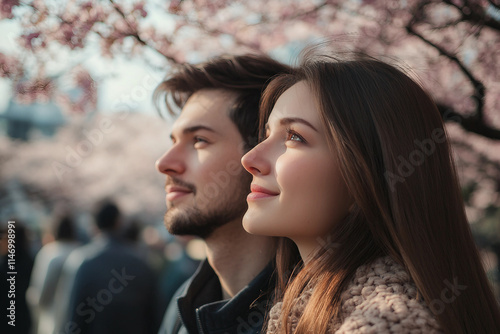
x: 299, y: 182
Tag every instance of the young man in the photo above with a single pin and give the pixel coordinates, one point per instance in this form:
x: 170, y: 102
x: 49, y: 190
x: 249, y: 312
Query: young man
x: 206, y: 193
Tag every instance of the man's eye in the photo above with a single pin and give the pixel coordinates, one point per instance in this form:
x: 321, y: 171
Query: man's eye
x: 200, y: 140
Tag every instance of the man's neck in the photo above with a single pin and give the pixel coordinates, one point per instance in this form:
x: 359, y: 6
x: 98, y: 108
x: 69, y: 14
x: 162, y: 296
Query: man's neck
x: 237, y: 257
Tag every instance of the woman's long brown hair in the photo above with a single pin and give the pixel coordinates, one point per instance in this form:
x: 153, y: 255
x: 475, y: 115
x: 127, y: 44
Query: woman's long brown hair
x: 395, y: 158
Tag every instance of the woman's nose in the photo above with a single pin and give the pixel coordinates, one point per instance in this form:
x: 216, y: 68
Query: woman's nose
x: 255, y: 161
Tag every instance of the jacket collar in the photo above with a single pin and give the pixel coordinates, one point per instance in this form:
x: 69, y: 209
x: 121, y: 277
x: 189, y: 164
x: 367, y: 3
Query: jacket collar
x: 201, y: 306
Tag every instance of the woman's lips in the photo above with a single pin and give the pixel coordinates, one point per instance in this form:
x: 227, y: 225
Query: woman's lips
x: 259, y: 192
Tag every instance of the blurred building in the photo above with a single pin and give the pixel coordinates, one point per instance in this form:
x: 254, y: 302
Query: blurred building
x: 21, y: 121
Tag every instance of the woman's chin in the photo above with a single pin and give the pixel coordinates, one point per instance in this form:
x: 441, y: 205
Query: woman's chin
x: 250, y: 224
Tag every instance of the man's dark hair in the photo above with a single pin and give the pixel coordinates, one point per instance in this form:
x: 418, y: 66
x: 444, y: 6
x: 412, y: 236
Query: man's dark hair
x: 64, y: 228
x: 107, y: 216
x: 245, y: 75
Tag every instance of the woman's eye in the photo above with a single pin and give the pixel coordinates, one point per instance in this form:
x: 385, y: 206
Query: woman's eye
x: 293, y: 136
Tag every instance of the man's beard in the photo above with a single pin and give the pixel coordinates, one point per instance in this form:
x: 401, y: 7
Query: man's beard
x: 193, y: 221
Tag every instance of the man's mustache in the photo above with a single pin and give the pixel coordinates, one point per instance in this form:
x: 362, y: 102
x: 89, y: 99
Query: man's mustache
x: 173, y: 181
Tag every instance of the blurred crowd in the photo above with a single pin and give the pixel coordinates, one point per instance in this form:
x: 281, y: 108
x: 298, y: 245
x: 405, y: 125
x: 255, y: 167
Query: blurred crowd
x: 119, y: 278
x: 107, y: 281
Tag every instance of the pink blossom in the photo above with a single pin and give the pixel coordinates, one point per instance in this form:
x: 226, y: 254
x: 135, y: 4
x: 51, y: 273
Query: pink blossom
x: 98, y: 14
x: 123, y: 28
x: 37, y: 89
x: 33, y: 40
x: 87, y: 100
x: 175, y: 6
x: 73, y: 34
x: 87, y: 5
x: 6, y: 7
x: 40, y: 7
x: 10, y: 67
x: 83, y: 79
x: 65, y: 35
x: 210, y: 27
x: 139, y: 8
x: 106, y: 46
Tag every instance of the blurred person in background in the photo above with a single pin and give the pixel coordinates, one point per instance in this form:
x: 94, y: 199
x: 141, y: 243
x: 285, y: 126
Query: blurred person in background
x: 46, y: 272
x: 110, y: 287
x: 206, y: 189
x: 130, y: 233
x: 178, y: 267
x: 23, y: 265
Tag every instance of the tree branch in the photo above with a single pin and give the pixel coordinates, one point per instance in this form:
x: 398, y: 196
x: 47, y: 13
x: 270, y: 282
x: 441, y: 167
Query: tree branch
x: 474, y: 16
x: 474, y: 123
x: 471, y: 124
x: 217, y: 32
x: 479, y: 89
x: 135, y: 34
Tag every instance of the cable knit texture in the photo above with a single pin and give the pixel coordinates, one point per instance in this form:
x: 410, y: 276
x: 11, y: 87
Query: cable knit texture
x: 381, y: 298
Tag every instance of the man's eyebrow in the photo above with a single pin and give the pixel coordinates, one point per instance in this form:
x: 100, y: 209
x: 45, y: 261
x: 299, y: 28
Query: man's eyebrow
x: 195, y: 128
x: 290, y: 120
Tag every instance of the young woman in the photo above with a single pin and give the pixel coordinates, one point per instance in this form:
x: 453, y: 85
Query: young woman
x: 356, y: 170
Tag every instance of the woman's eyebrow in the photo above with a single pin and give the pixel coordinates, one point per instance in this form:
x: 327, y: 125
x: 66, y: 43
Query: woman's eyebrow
x: 289, y: 120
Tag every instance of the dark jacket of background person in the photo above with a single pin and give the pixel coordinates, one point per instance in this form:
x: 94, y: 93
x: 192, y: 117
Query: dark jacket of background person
x: 23, y: 267
x: 174, y: 273
x: 46, y: 273
x: 111, y: 288
x: 244, y: 313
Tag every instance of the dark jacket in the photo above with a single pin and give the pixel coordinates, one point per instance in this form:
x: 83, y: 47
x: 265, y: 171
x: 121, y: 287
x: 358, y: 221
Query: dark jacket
x: 197, y: 306
x: 112, y: 290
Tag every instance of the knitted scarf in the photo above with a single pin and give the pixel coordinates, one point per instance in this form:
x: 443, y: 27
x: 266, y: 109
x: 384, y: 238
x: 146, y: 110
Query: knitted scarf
x: 381, y: 298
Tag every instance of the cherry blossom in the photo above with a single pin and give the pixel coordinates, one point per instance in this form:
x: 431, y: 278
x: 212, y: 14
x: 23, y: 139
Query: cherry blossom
x: 452, y: 47
x: 6, y: 7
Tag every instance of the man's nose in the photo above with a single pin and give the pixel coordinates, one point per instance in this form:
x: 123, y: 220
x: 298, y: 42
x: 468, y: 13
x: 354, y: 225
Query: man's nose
x: 171, y: 162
